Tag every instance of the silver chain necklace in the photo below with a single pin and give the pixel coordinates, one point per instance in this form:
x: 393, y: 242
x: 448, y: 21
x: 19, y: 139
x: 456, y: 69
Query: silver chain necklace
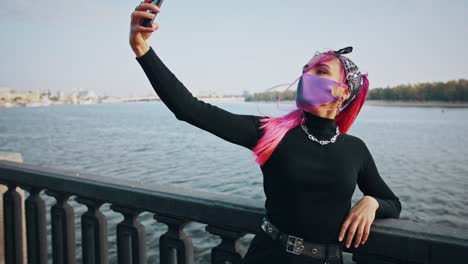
x: 322, y: 142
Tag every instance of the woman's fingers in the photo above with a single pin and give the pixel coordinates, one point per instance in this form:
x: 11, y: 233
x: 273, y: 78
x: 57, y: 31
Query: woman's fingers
x: 351, y: 231
x: 355, y: 225
x: 137, y: 15
x: 360, y: 232
x: 366, y: 233
x: 138, y: 33
x: 139, y: 28
x: 359, y: 220
x: 344, y: 227
x: 147, y: 6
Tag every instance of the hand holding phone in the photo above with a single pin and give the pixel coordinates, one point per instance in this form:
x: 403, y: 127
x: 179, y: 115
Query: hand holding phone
x: 146, y: 22
x: 139, y: 33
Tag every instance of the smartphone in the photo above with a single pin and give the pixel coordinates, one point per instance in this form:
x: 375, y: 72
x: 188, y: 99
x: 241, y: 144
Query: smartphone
x: 146, y: 22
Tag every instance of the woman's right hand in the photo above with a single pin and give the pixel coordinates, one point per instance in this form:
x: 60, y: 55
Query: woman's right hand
x: 138, y: 33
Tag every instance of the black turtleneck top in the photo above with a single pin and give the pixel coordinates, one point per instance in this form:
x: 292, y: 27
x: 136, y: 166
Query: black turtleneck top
x: 308, y: 186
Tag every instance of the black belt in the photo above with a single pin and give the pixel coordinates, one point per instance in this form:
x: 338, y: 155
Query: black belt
x: 297, y: 245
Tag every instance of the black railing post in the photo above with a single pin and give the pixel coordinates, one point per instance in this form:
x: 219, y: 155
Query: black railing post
x: 63, y: 229
x: 174, y: 246
x: 228, y: 250
x: 93, y: 233
x: 13, y: 226
x: 36, y: 230
x: 131, y: 238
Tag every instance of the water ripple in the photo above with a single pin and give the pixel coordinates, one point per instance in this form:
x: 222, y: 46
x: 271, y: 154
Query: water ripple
x: 129, y: 141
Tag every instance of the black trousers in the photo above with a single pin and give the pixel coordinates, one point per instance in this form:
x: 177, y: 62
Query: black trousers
x: 264, y: 250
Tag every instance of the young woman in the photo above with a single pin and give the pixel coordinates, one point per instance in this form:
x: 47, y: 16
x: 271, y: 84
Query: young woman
x: 310, y: 165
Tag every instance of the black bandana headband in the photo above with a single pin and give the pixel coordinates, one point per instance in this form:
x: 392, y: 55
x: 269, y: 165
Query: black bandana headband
x: 354, y: 77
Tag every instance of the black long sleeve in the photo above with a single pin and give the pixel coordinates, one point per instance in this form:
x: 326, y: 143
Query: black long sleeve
x: 235, y: 128
x: 371, y: 183
x: 308, y: 186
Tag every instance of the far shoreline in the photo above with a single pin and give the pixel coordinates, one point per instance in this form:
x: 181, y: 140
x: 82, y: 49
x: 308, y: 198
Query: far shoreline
x: 397, y: 103
x: 417, y: 103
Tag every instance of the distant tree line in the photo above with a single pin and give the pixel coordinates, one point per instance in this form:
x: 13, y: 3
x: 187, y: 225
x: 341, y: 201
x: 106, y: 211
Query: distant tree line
x: 271, y: 96
x: 451, y: 91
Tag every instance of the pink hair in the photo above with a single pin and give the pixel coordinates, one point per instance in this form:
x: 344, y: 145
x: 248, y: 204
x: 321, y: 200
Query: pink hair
x: 276, y: 127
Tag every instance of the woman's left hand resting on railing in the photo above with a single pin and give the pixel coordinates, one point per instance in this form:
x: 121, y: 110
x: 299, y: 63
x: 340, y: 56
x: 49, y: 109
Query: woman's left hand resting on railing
x: 359, y: 221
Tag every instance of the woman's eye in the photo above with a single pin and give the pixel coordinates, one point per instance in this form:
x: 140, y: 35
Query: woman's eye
x: 321, y: 71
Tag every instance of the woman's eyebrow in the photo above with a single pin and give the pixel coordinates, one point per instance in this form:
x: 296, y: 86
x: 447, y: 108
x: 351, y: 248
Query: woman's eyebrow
x: 322, y: 64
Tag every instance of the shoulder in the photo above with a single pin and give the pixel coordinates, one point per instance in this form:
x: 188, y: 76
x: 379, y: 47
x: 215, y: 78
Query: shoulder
x: 355, y: 140
x: 356, y: 143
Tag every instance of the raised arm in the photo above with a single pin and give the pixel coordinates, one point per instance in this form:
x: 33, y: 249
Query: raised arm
x: 235, y: 128
x: 371, y: 183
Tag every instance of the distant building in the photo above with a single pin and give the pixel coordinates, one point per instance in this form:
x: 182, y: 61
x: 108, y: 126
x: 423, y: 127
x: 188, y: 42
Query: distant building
x: 61, y: 95
x: 33, y: 96
x: 84, y: 97
x: 5, y: 93
x: 207, y: 93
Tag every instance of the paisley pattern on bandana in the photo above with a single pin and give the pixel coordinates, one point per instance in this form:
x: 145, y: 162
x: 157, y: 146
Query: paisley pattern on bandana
x: 353, y: 75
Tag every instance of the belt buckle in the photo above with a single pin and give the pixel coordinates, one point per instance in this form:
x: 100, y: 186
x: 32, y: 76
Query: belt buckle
x: 294, y: 245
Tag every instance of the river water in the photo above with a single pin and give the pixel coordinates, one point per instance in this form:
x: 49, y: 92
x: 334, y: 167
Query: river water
x: 421, y: 153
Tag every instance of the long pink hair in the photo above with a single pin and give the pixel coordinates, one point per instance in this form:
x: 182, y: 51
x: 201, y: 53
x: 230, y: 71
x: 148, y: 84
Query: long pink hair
x: 276, y: 127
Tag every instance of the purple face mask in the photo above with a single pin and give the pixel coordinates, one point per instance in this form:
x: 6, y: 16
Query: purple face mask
x: 313, y: 91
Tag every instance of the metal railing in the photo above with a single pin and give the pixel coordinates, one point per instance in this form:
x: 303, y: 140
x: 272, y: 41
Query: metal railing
x: 230, y: 218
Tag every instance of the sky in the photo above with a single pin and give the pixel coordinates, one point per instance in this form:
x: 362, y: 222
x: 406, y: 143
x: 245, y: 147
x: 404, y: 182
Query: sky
x: 226, y: 47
